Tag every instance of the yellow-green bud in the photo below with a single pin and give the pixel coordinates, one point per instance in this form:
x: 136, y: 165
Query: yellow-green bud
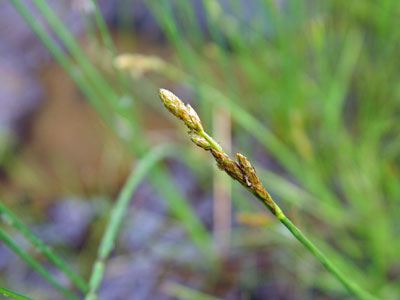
x: 199, y: 140
x: 186, y: 113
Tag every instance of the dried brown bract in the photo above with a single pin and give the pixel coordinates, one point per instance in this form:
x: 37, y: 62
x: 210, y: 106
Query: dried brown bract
x: 225, y: 163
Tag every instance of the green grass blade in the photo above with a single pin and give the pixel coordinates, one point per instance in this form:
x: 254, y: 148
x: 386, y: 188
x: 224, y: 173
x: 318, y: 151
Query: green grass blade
x: 64, y: 60
x: 101, y: 25
x: 160, y: 179
x: 36, y: 266
x: 55, y: 259
x: 182, y: 292
x: 327, y: 263
x: 8, y: 293
x: 98, y: 81
x: 118, y: 212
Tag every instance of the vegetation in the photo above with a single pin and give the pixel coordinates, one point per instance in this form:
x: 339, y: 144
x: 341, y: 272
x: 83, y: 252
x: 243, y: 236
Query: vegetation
x: 310, y: 89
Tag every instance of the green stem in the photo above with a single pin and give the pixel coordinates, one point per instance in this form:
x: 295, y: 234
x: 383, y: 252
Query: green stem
x: 351, y: 286
x: 325, y: 261
x: 35, y: 265
x: 57, y: 261
x: 7, y: 293
x: 64, y: 60
x: 118, y: 212
x: 101, y: 25
x: 209, y: 139
x: 160, y: 178
x: 108, y: 43
x: 95, y: 78
x: 179, y: 291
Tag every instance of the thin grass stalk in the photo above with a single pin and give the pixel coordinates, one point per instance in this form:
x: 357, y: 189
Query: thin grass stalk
x: 179, y: 291
x: 36, y: 266
x: 54, y: 258
x: 8, y: 293
x: 159, y: 179
x: 77, y: 53
x: 243, y: 172
x: 118, y: 212
x: 271, y: 142
x: 108, y: 43
x: 104, y: 32
x: 286, y: 157
x: 64, y: 60
x: 267, y: 138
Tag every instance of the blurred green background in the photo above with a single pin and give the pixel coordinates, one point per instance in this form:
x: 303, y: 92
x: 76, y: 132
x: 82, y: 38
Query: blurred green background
x: 307, y: 90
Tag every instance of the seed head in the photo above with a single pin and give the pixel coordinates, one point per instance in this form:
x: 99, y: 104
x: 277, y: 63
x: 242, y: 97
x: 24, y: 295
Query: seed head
x: 199, y: 140
x: 253, y: 182
x: 225, y: 163
x: 186, y: 113
x: 248, y: 170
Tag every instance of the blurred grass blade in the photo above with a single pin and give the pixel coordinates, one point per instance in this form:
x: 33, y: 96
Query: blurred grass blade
x: 339, y: 84
x: 55, y: 259
x: 243, y: 172
x: 179, y: 291
x: 65, y: 61
x: 159, y: 179
x: 101, y: 25
x: 118, y: 212
x: 7, y: 293
x: 95, y: 78
x: 36, y: 266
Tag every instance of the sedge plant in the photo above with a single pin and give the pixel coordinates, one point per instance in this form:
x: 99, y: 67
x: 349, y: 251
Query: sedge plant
x: 13, y: 295
x: 243, y: 172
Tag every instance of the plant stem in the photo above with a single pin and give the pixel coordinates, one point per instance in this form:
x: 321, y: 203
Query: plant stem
x: 179, y: 291
x: 101, y: 25
x: 160, y: 178
x: 351, y: 286
x: 325, y: 261
x: 213, y: 143
x: 36, y: 265
x: 55, y: 259
x: 328, y: 264
x: 243, y: 172
x: 65, y: 61
x: 118, y: 212
x: 7, y: 293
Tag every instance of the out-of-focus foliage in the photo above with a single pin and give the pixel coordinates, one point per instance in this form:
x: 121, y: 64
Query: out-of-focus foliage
x: 311, y: 90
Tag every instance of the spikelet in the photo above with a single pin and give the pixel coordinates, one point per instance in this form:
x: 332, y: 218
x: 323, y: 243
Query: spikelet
x: 199, y: 140
x: 184, y: 112
x: 249, y: 172
x: 225, y: 163
x: 252, y: 181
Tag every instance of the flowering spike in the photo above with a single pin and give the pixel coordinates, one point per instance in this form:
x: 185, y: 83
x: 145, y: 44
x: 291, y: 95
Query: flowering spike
x: 199, y: 140
x: 186, y: 113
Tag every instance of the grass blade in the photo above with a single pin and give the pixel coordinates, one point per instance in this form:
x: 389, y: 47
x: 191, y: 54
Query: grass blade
x: 243, y: 172
x: 14, y: 295
x: 118, y: 212
x: 182, y: 292
x: 160, y: 178
x: 55, y: 259
x: 36, y: 266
